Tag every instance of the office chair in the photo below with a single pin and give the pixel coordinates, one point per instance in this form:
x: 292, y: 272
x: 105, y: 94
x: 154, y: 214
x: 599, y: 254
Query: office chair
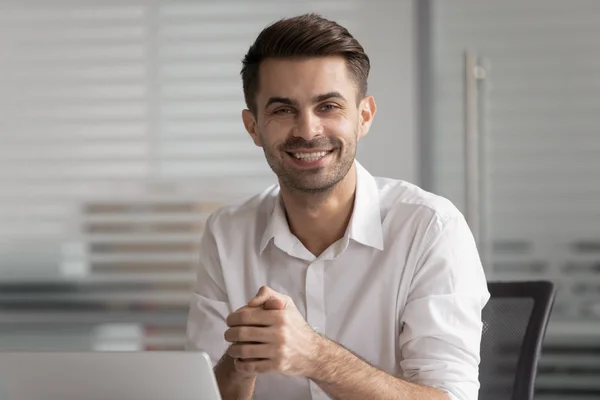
x: 514, y: 325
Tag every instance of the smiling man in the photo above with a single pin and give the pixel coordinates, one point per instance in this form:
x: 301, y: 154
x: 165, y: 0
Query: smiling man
x: 333, y: 283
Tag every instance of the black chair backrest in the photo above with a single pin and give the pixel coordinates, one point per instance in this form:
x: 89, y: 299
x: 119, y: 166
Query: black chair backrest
x: 514, y: 326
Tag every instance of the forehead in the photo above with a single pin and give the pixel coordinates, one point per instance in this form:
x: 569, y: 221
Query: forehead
x: 302, y: 79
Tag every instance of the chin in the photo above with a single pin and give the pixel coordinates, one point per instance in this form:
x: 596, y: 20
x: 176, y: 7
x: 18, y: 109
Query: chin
x: 315, y: 187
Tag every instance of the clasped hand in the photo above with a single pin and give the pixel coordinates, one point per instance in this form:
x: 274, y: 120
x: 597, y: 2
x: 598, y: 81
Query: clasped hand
x: 270, y: 335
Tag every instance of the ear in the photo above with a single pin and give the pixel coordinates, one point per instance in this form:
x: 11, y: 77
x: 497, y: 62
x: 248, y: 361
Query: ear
x: 366, y: 112
x: 250, y: 125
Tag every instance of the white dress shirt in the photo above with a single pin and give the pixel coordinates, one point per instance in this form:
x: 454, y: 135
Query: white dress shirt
x: 403, y: 289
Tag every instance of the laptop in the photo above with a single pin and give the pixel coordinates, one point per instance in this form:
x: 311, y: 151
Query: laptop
x: 107, y: 376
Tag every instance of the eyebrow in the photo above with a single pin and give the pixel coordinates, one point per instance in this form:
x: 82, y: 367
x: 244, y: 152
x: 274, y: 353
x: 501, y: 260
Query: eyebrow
x: 327, y: 96
x: 317, y: 99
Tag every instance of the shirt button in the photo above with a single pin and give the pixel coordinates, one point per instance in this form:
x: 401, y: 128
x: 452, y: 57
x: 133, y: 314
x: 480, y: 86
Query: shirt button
x: 317, y: 329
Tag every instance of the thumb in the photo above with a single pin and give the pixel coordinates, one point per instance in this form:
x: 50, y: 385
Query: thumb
x: 274, y: 303
x: 264, y: 294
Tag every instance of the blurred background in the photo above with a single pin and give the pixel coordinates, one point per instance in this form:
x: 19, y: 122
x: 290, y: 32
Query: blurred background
x: 120, y: 132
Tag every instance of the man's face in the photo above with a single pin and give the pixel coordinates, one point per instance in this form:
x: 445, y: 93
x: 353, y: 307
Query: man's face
x: 308, y: 121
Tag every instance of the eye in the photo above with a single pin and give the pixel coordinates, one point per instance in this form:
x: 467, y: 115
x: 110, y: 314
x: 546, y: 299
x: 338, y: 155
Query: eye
x: 328, y: 107
x: 283, y: 111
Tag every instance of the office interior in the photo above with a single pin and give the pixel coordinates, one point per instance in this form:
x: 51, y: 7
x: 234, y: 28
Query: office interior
x: 120, y: 132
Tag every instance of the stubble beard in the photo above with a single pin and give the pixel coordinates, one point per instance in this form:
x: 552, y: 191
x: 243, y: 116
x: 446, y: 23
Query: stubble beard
x: 318, y: 180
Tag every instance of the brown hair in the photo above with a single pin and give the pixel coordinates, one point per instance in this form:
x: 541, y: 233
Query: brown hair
x: 308, y: 35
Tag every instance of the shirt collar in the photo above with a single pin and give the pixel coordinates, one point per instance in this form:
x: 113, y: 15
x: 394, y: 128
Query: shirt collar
x: 365, y: 224
x: 277, y: 227
x: 364, y: 227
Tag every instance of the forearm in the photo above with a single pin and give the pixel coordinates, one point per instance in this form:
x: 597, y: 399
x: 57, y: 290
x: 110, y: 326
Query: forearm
x: 343, y: 375
x: 233, y: 384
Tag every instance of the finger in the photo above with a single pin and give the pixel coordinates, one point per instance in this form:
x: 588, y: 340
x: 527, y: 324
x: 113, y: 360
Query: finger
x: 249, y: 334
x: 274, y: 304
x: 264, y: 294
x: 249, y: 351
x: 254, y: 317
x: 250, y: 366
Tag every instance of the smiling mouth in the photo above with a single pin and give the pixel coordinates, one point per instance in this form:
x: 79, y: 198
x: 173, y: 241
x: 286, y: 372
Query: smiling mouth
x: 310, y: 156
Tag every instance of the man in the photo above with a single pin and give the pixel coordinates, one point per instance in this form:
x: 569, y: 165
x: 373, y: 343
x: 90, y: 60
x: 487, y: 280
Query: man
x: 333, y: 283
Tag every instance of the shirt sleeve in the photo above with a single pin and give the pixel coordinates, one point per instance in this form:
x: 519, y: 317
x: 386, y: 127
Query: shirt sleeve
x: 209, y: 306
x: 441, y: 324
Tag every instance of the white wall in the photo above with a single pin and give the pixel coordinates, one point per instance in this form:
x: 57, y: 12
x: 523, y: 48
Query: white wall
x: 388, y: 36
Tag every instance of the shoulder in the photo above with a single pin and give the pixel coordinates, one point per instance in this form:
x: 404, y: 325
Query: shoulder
x: 400, y: 198
x: 243, y: 215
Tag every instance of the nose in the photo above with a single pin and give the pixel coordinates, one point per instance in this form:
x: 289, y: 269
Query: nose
x: 308, y: 126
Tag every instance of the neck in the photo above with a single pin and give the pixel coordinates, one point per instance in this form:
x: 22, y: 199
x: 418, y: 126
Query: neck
x: 320, y: 219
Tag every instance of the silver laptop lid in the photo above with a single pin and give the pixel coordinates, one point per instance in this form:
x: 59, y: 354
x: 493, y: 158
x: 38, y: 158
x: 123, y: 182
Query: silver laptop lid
x: 107, y: 376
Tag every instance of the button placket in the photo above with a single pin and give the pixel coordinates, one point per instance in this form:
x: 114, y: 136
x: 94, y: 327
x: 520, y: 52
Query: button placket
x: 315, y: 296
x: 315, y: 307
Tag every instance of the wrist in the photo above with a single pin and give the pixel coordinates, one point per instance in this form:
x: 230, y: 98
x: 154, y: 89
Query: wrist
x: 321, y: 356
x: 232, y: 383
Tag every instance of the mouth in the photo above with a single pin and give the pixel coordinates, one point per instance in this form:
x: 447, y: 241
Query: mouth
x: 310, y: 158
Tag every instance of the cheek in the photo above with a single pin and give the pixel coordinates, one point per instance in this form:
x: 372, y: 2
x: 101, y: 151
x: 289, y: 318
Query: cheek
x: 275, y: 133
x: 342, y: 127
x: 269, y: 142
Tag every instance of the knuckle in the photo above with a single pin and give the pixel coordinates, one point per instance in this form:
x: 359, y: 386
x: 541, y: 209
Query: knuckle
x: 245, y: 352
x: 244, y: 317
x: 280, y: 336
x: 287, y: 354
x: 280, y: 318
x: 264, y: 289
x: 242, y: 332
x: 280, y: 350
x: 286, y: 336
x: 285, y: 318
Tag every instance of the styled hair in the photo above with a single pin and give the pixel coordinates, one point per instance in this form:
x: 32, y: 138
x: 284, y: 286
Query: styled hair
x: 303, y: 36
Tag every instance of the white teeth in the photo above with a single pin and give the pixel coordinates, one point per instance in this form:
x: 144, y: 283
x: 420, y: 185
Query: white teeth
x: 310, y: 156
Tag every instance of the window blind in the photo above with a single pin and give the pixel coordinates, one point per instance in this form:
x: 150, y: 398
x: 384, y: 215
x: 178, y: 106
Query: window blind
x: 120, y: 131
